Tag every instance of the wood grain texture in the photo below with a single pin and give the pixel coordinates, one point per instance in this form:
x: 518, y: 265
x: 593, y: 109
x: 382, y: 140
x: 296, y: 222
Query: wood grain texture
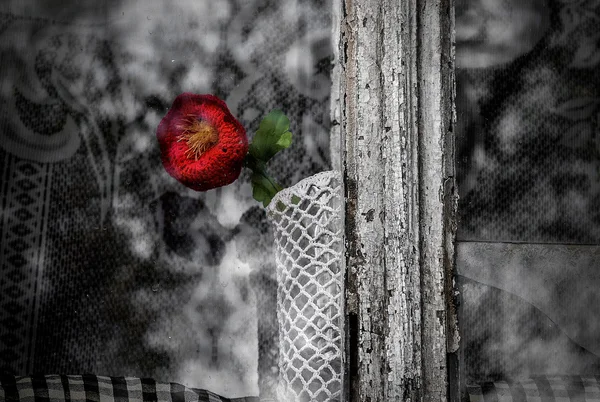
x: 395, y: 112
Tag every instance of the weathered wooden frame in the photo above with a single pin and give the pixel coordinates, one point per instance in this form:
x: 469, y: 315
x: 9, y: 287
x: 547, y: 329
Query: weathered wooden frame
x: 392, y: 106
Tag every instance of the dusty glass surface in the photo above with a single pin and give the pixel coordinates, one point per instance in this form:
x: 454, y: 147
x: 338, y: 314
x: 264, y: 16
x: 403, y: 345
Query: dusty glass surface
x: 108, y: 265
x: 528, y: 142
x: 528, y: 157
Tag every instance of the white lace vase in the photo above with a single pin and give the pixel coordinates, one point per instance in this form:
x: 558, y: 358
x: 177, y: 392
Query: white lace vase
x: 308, y: 230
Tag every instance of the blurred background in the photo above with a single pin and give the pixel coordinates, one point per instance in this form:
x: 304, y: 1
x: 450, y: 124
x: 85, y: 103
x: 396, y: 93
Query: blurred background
x: 109, y: 266
x: 528, y: 158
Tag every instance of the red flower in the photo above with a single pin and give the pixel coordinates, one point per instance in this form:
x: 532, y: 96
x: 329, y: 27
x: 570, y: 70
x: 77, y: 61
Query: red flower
x: 202, y: 145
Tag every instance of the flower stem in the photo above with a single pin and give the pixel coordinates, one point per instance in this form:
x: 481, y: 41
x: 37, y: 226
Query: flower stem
x: 264, y: 187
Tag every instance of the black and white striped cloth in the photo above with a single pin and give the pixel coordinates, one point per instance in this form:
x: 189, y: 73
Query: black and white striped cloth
x: 84, y: 388
x: 88, y: 387
x: 538, y: 389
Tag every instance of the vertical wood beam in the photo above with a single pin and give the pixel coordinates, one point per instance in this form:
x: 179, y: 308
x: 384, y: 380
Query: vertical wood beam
x: 396, y: 86
x: 438, y: 197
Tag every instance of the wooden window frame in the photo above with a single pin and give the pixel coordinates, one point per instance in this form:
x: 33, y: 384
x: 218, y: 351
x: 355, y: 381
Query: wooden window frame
x: 393, y: 118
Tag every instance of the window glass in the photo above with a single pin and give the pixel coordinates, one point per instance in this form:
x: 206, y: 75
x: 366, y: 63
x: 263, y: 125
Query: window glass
x: 527, y: 113
x: 108, y: 265
x: 528, y: 157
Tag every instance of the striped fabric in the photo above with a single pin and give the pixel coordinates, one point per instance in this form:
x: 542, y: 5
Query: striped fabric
x: 84, y: 388
x: 538, y: 389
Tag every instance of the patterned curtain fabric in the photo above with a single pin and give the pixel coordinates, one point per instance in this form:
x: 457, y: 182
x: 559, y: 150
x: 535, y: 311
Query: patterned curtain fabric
x: 107, y: 264
x: 528, y: 104
x: 528, y: 144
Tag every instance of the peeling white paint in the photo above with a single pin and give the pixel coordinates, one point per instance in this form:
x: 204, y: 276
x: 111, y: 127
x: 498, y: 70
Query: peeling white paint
x: 395, y: 108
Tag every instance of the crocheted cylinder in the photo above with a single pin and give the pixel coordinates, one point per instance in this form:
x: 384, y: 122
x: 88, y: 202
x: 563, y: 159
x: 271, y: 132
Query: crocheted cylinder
x: 307, y: 219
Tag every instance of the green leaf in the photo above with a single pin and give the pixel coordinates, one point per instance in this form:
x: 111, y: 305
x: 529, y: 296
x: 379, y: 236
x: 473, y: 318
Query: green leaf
x: 272, y: 136
x: 261, y: 195
x: 281, y: 206
x: 263, y: 188
x: 285, y: 140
